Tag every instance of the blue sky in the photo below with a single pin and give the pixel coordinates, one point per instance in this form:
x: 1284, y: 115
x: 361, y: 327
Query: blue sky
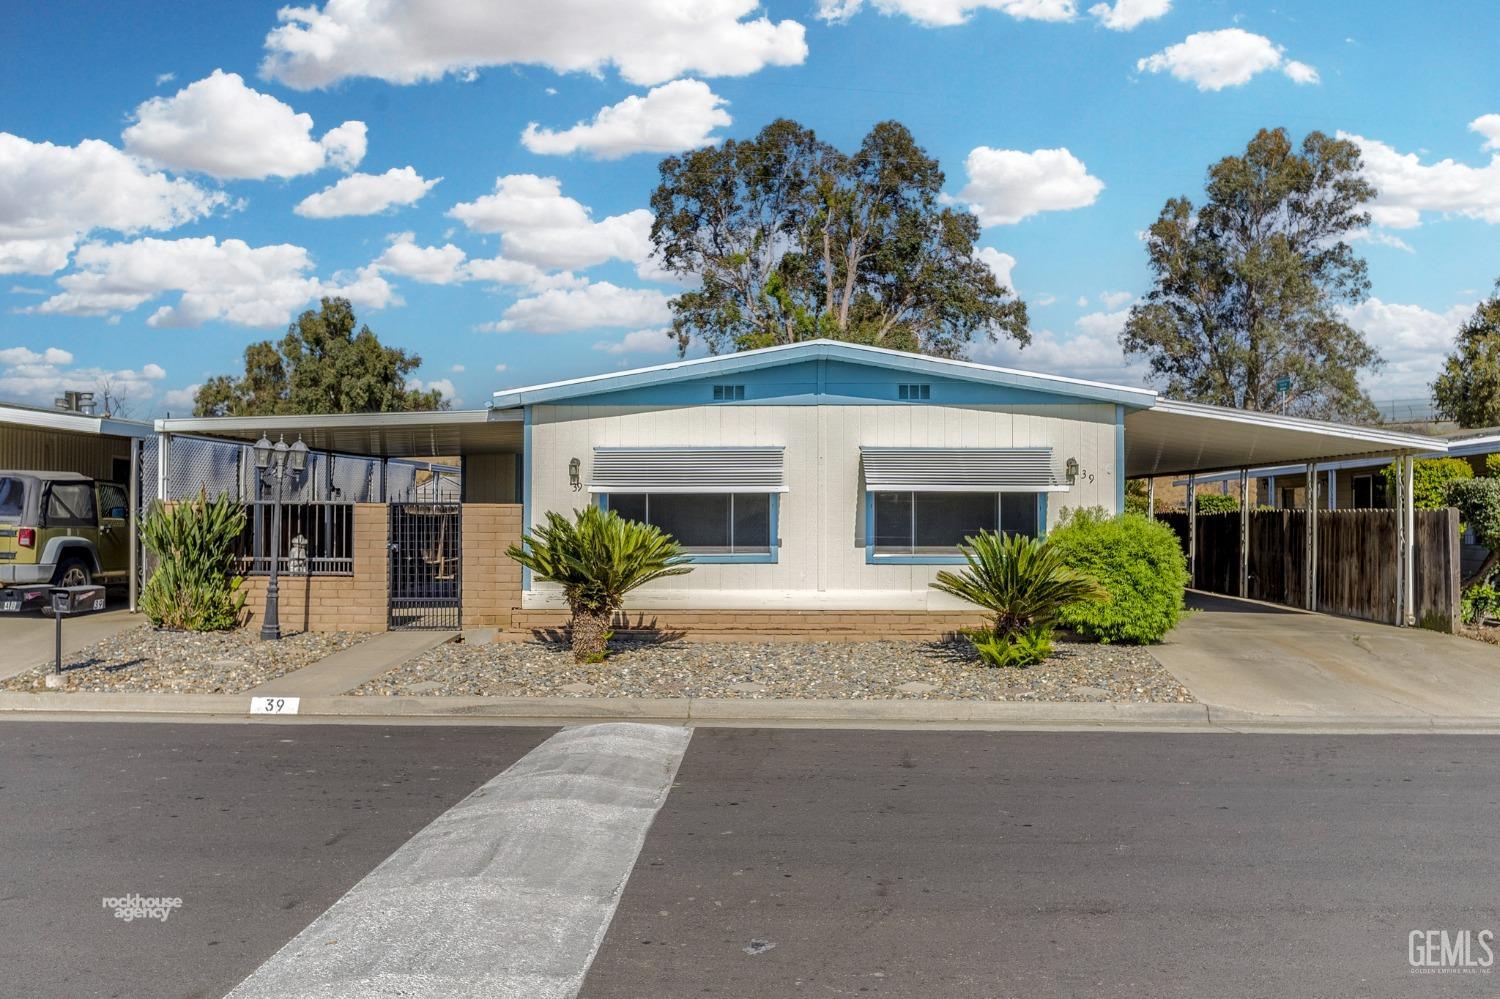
x: 155, y: 173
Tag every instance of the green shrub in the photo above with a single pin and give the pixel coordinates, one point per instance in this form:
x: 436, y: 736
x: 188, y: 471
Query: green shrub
x: 597, y: 557
x: 1492, y: 466
x: 1429, y: 480
x: 1478, y: 503
x: 1137, y: 560
x: 1217, y: 503
x: 1024, y: 583
x: 194, y: 587
x: 1480, y: 602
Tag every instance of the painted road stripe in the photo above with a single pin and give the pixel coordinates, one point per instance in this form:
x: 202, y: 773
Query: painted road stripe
x: 507, y: 894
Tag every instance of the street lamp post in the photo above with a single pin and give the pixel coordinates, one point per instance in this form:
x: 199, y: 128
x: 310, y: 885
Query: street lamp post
x: 273, y: 462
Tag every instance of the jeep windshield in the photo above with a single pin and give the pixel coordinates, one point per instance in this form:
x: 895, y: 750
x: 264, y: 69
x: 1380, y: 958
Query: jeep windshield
x: 12, y: 498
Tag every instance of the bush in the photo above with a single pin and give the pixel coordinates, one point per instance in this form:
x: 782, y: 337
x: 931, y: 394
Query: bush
x: 1492, y: 466
x: 1217, y: 503
x: 1024, y: 583
x: 1478, y: 503
x: 1429, y: 480
x: 597, y: 557
x: 194, y: 587
x: 1480, y: 602
x: 1137, y: 560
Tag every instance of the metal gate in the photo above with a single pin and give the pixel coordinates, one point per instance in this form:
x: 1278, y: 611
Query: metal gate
x: 425, y: 566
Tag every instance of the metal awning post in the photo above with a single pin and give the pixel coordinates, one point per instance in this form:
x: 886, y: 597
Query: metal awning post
x: 134, y: 498
x: 1151, y: 498
x: 1244, y: 532
x: 1192, y: 512
x: 163, y: 458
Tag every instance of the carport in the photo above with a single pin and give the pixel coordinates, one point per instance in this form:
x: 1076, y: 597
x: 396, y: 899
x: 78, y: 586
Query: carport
x: 1191, y: 439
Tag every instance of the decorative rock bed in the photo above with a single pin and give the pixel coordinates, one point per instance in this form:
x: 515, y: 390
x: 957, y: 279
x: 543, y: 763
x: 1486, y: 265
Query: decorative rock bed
x: 839, y: 670
x: 146, y: 660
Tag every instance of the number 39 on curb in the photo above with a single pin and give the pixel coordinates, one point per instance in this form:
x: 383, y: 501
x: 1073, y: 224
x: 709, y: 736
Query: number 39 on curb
x: 273, y: 705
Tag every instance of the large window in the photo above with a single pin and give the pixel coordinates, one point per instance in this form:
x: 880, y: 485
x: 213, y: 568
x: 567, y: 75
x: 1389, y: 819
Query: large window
x: 1369, y: 492
x: 934, y: 524
x: 70, y: 504
x: 706, y: 524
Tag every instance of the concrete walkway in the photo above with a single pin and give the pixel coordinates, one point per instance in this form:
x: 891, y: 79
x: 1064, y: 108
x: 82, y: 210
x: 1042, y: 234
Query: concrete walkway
x: 343, y: 671
x: 29, y: 640
x: 1270, y: 660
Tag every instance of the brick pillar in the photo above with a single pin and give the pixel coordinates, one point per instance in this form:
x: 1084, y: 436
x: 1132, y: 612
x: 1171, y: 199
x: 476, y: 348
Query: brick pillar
x: 491, y: 581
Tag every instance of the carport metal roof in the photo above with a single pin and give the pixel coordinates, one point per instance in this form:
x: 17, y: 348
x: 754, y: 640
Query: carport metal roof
x: 1180, y: 438
x: 69, y: 422
x: 379, y: 435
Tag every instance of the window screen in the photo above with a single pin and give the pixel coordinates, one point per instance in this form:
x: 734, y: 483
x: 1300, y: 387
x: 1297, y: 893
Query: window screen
x: 112, y: 501
x: 12, y: 497
x: 704, y: 523
x: 919, y: 523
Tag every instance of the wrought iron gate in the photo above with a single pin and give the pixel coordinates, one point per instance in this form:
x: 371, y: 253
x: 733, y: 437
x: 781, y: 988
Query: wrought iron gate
x: 425, y: 566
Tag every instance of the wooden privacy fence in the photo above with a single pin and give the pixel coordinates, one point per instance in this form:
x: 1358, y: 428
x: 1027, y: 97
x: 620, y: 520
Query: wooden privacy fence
x: 1357, y: 565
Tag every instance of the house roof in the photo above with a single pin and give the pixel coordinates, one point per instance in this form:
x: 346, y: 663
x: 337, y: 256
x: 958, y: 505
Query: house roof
x: 382, y: 435
x: 77, y: 423
x: 752, y: 360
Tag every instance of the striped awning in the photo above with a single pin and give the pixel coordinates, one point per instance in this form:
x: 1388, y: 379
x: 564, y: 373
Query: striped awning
x: 687, y: 470
x: 960, y: 470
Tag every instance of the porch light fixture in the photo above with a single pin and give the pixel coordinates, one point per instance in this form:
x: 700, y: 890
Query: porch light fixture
x: 1072, y: 470
x: 574, y: 466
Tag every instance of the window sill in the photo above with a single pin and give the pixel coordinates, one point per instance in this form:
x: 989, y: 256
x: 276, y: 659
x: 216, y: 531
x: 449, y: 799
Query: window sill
x: 763, y: 558
x: 876, y: 558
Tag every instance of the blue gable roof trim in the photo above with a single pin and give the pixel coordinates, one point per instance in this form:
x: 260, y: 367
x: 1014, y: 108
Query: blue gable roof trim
x: 825, y: 372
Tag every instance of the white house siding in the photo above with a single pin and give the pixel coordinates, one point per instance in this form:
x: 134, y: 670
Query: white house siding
x: 821, y: 561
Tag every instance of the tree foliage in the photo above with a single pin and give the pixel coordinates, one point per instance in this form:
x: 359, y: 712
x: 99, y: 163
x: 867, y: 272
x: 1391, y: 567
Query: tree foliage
x: 194, y: 587
x: 597, y: 557
x: 1429, y: 480
x: 1247, y: 284
x: 1478, y: 503
x: 1468, y: 389
x: 790, y: 239
x: 1217, y: 503
x: 321, y: 366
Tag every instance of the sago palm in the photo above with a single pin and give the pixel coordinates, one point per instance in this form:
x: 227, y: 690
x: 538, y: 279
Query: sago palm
x: 597, y: 558
x: 1020, y: 580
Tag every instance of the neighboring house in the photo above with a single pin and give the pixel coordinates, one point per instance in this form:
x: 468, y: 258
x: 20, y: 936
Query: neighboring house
x: 54, y: 440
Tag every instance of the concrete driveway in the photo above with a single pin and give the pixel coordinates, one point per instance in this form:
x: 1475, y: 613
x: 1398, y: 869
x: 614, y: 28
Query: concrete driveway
x: 27, y: 640
x: 1264, y: 659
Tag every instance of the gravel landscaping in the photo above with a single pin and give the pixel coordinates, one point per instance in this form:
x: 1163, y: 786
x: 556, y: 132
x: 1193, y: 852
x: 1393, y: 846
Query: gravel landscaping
x: 842, y: 670
x: 145, y: 660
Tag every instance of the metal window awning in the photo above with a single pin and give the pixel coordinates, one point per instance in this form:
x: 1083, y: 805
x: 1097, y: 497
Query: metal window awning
x: 960, y: 470
x: 688, y: 470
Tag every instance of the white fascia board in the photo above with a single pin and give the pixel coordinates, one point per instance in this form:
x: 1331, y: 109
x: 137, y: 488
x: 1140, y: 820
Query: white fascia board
x: 78, y: 423
x: 812, y: 349
x: 228, y: 425
x: 1394, y: 439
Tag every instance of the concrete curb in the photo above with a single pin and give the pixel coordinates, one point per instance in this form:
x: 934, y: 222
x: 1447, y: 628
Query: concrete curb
x: 740, y: 713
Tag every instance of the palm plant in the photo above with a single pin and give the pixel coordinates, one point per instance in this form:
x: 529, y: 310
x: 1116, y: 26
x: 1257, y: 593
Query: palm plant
x: 597, y: 557
x: 1025, y: 584
x: 194, y: 587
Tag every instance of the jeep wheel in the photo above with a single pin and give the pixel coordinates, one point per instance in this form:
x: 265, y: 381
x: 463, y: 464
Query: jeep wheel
x: 72, y: 572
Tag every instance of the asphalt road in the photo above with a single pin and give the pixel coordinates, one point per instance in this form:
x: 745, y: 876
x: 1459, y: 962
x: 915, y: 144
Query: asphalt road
x: 257, y: 828
x: 788, y: 862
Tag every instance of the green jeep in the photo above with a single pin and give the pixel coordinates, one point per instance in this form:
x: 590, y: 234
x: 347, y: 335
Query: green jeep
x: 62, y: 528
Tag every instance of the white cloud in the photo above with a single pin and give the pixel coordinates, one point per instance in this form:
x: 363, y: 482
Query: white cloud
x: 406, y: 41
x: 598, y: 305
x: 941, y: 13
x: 52, y: 196
x: 427, y: 264
x: 1213, y: 60
x: 1379, y: 237
x: 1126, y: 14
x: 500, y: 369
x: 165, y: 78
x: 366, y: 194
x: 458, y: 369
x: 1488, y: 125
x: 1407, y: 187
x: 1411, y: 339
x: 221, y: 127
x: 539, y: 225
x: 1091, y: 351
x: 654, y: 341
x: 365, y: 287
x: 670, y: 118
x: 1114, y: 299
x: 229, y: 281
x: 40, y: 376
x: 1000, y: 263
x: 181, y: 399
x: 443, y: 385
x: 1008, y: 185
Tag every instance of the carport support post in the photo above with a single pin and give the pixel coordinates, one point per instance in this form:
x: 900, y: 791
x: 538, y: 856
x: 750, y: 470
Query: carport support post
x: 1408, y: 544
x: 1151, y: 497
x: 1192, y: 512
x: 1310, y: 540
x: 134, y: 513
x: 1244, y: 532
